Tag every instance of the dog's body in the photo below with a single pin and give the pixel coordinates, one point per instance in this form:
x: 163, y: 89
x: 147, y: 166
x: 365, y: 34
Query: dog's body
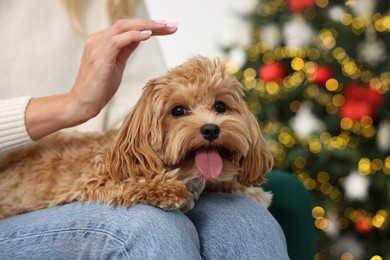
x: 190, y: 131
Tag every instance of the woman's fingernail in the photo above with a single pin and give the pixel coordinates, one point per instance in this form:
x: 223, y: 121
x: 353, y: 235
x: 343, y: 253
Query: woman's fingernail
x: 172, y: 25
x: 160, y: 21
x: 146, y: 32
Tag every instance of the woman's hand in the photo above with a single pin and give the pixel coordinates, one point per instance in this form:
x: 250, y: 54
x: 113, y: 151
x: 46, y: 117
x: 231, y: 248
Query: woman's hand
x: 100, y: 73
x: 104, y: 60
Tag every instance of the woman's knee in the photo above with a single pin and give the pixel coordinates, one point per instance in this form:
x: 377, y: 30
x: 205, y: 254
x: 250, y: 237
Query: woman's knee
x: 236, y: 226
x: 91, y: 230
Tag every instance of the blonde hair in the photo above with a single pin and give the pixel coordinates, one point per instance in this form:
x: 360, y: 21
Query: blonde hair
x: 116, y: 9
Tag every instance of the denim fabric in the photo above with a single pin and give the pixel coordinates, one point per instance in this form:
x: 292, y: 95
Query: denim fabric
x: 235, y: 227
x: 221, y: 226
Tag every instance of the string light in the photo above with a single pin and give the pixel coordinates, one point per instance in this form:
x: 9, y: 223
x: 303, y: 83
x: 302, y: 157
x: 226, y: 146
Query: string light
x: 315, y: 145
x: 322, y: 3
x: 386, y: 166
x: 364, y: 166
x: 297, y: 64
x: 327, y: 39
x: 380, y: 219
x: 332, y: 84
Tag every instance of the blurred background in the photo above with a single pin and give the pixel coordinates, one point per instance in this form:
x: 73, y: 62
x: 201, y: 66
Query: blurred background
x: 316, y: 73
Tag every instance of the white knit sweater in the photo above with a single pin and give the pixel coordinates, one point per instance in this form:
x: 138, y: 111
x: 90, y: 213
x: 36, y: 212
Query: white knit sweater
x: 40, y: 55
x: 12, y: 128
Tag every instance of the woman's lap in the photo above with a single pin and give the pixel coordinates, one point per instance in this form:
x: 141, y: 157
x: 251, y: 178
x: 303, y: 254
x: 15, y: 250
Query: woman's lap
x: 227, y: 224
x: 97, y: 231
x: 235, y: 227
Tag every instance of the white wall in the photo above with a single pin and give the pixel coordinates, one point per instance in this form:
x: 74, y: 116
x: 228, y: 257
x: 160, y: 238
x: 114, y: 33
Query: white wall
x: 202, y: 26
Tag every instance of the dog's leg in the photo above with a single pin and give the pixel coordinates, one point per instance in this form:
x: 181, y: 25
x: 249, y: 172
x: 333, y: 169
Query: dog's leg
x: 256, y: 193
x: 161, y: 191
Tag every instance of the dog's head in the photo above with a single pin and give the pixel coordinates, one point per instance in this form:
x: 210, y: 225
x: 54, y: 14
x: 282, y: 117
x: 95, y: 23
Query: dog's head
x: 194, y: 115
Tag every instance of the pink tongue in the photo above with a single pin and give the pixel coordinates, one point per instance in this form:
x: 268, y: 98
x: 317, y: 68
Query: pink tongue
x: 209, y: 163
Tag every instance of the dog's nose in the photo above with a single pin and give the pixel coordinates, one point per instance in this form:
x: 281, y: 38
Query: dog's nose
x: 210, y: 131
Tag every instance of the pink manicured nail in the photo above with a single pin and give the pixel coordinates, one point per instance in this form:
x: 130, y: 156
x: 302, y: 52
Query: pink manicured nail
x: 172, y: 25
x: 147, y: 32
x: 161, y: 21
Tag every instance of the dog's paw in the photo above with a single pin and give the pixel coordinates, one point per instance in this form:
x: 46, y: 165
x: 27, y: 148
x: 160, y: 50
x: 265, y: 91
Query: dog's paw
x: 258, y: 194
x: 188, y: 206
x: 165, y: 195
x: 175, y: 199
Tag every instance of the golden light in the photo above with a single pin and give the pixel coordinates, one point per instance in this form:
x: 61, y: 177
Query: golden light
x: 295, y: 105
x: 255, y: 107
x: 299, y: 163
x: 379, y: 219
x: 272, y: 88
x: 346, y: 256
x: 268, y: 57
x: 358, y: 23
x: 338, y: 100
x: 335, y: 195
x: 332, y: 84
x: 343, y: 223
x: 346, y: 19
x: 250, y: 83
x: 297, y: 64
x: 252, y: 54
x: 309, y: 184
x: 321, y: 223
x: 364, y: 166
x: 250, y: 74
x: 232, y: 67
x: 322, y: 3
x: 323, y: 177
x: 346, y: 123
x: 311, y: 91
x: 314, y: 145
x: 366, y: 121
x: 340, y: 55
x: 327, y: 39
x: 386, y: 167
x: 350, y: 68
x: 376, y: 165
x: 318, y: 212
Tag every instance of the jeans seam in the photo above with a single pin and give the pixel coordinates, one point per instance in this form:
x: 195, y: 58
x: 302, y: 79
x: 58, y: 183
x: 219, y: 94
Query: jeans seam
x: 122, y: 242
x: 63, y: 231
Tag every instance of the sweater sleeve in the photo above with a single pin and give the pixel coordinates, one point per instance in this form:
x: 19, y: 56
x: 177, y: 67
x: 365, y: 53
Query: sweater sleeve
x: 13, y: 132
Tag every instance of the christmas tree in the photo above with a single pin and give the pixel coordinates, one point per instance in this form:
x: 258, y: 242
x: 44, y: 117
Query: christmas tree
x: 317, y: 75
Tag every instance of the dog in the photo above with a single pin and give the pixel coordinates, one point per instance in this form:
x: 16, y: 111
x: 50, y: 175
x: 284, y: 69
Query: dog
x: 190, y: 131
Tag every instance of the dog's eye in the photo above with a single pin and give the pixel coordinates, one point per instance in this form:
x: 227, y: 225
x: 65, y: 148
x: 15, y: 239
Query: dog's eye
x: 220, y: 107
x: 179, y: 111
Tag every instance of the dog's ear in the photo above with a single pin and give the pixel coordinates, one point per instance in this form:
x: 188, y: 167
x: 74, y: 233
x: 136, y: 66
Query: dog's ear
x: 133, y: 152
x: 258, y: 160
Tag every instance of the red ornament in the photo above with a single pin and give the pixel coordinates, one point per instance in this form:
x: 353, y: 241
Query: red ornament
x: 322, y: 74
x: 298, y: 6
x: 360, y: 101
x: 355, y: 110
x: 272, y: 72
x: 363, y: 225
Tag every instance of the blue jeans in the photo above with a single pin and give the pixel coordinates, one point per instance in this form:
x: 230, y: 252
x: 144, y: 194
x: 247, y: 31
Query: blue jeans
x: 221, y: 226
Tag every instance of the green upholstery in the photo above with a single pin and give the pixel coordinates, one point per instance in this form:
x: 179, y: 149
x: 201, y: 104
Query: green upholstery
x: 291, y: 206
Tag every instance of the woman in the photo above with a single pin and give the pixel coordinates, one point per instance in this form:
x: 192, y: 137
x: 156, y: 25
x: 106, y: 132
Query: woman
x: 41, y: 50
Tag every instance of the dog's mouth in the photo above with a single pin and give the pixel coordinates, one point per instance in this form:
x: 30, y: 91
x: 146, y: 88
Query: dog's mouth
x: 209, y: 162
